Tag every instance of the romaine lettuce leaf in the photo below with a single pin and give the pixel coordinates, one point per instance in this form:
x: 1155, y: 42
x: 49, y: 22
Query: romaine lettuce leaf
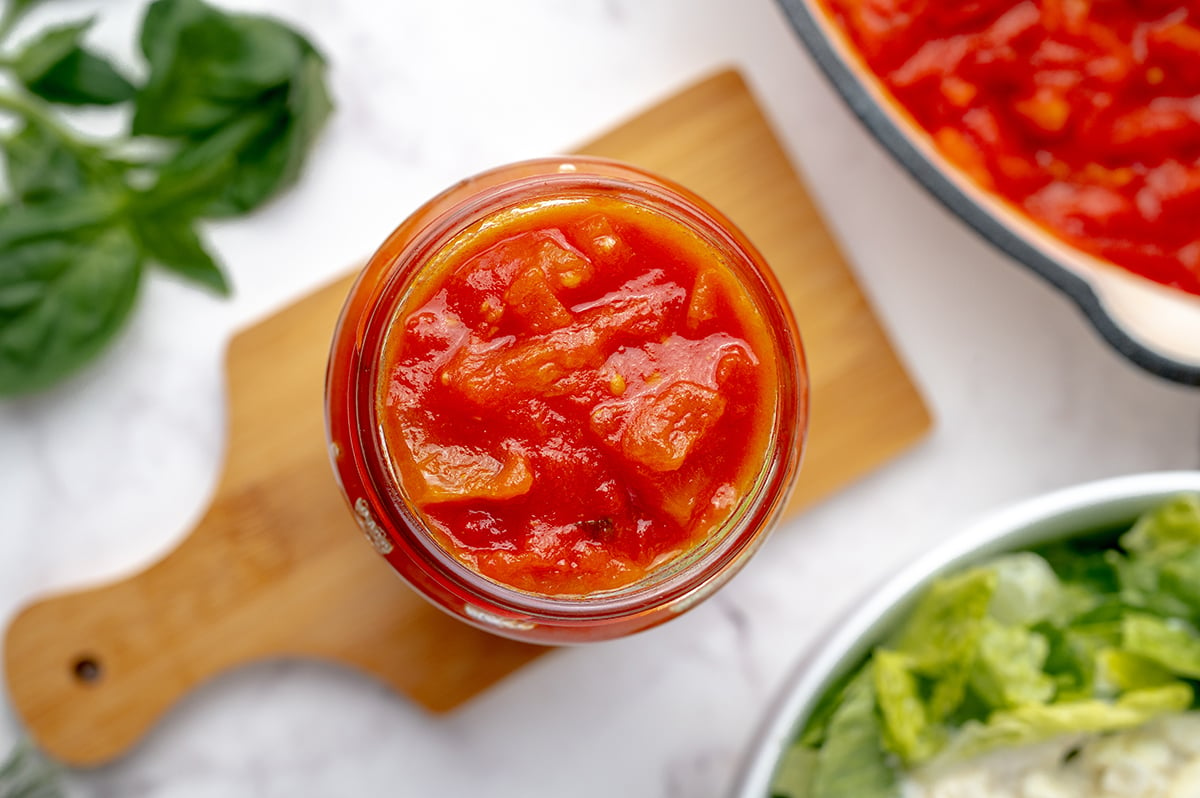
x: 1173, y: 646
x: 1118, y: 670
x: 1027, y: 589
x: 1166, y: 531
x: 1181, y: 578
x: 1141, y: 580
x: 1035, y: 723
x: 852, y: 761
x: 1079, y: 563
x: 1008, y: 666
x: 943, y: 631
x: 793, y: 777
x: 814, y: 731
x: 906, y: 727
x: 1070, y: 661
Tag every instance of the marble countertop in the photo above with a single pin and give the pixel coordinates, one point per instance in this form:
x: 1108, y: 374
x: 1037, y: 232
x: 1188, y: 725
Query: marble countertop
x: 107, y: 472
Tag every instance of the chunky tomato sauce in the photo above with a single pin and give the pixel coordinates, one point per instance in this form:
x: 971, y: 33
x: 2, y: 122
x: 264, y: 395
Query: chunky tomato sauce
x: 1083, y: 113
x: 579, y: 392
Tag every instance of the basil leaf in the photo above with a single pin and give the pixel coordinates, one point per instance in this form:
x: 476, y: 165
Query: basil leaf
x: 238, y: 100
x: 246, y: 97
x: 61, y: 301
x: 66, y: 215
x: 28, y: 774
x: 274, y: 160
x: 198, y: 174
x: 40, y: 165
x: 52, y: 46
x: 207, y: 66
x: 83, y: 78
x: 56, y: 67
x: 171, y: 241
x: 17, y: 8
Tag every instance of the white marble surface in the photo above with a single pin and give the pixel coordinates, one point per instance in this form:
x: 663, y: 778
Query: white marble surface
x: 107, y: 472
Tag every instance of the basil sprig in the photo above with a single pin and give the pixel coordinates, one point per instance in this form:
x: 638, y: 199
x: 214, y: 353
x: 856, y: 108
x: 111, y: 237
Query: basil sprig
x: 223, y: 122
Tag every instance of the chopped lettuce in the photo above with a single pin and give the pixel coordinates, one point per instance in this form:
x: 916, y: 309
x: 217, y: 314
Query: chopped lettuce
x: 1171, y: 645
x: 906, y: 722
x: 1141, y: 580
x: 942, y: 633
x: 1009, y: 666
x: 1169, y: 530
x: 1181, y: 579
x: 814, y: 731
x: 1118, y: 671
x: 852, y: 762
x: 1033, y: 723
x: 1091, y: 635
x: 1027, y: 589
x: 1070, y: 661
x: 793, y: 777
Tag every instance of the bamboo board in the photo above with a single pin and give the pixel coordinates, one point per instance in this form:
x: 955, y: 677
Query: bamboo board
x: 277, y: 566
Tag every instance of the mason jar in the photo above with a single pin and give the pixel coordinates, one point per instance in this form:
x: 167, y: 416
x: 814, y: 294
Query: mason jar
x: 566, y: 400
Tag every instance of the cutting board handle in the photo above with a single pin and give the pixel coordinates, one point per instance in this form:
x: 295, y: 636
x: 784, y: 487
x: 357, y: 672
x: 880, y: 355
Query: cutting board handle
x: 277, y: 567
x: 105, y: 663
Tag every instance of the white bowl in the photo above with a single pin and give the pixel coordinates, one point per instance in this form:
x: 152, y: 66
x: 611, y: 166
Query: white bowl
x: 1068, y: 513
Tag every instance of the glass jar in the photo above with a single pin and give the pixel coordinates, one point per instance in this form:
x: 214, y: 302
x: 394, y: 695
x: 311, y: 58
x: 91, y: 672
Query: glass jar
x: 382, y: 504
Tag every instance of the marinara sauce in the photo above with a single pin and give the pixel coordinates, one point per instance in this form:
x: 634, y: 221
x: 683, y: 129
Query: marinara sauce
x: 1083, y: 114
x: 566, y: 399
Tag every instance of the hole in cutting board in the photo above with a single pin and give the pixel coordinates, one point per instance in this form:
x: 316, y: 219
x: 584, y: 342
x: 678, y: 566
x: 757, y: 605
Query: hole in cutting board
x: 87, y: 669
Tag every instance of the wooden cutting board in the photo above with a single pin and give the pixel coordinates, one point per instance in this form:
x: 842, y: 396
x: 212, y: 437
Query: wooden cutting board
x: 277, y: 566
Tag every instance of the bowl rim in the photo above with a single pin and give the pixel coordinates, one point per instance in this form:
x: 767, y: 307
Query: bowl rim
x: 1059, y: 514
x: 884, y: 127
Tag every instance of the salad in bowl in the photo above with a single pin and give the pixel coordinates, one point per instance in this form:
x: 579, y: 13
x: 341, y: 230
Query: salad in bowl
x: 1052, y: 651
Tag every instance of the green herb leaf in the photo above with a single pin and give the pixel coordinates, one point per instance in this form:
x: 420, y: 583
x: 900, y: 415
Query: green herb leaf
x: 61, y: 298
x: 59, y: 216
x: 27, y: 774
x: 198, y: 175
x: 274, y: 160
x: 53, y: 45
x: 40, y: 165
x: 56, y: 67
x: 17, y: 8
x: 171, y: 241
x: 239, y: 100
x: 206, y: 66
x: 245, y: 95
x: 83, y: 78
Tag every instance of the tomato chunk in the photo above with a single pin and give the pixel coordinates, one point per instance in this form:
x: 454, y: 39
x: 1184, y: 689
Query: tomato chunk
x: 458, y: 473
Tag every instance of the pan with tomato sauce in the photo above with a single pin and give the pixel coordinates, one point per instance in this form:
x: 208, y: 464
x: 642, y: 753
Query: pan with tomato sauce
x: 1083, y: 114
